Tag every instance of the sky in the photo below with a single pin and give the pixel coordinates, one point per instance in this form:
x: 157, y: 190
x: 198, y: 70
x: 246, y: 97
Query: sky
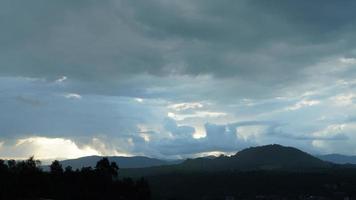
x: 176, y: 79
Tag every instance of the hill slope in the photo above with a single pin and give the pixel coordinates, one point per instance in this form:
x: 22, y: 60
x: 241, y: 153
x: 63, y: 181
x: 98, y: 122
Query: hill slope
x: 338, y: 158
x: 269, y: 157
x: 263, y: 157
x: 123, y: 162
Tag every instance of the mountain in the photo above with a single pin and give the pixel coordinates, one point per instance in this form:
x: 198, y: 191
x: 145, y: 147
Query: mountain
x: 338, y: 158
x: 263, y: 157
x: 277, y: 157
x: 269, y: 157
x: 123, y: 162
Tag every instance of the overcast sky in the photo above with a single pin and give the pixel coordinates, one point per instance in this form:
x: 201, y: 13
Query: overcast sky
x: 177, y: 78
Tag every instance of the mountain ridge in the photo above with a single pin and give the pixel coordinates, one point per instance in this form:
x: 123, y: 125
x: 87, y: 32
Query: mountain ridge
x: 272, y: 156
x: 267, y: 157
x: 338, y: 158
x: 122, y: 161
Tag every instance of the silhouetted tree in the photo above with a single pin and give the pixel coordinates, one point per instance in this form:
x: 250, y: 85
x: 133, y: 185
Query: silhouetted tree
x: 56, y: 168
x: 68, y: 169
x: 86, y: 170
x: 114, y: 169
x: 105, y: 167
x: 3, y: 166
x: 103, y: 164
x: 11, y: 164
x: 28, y: 166
x: 25, y: 180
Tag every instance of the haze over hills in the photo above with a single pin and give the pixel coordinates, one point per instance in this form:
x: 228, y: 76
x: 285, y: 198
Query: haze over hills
x: 269, y: 157
x: 122, y: 161
x: 338, y: 158
x: 263, y: 157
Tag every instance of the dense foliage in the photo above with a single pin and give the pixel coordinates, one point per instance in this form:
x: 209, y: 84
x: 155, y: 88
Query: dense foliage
x: 268, y: 172
x: 327, y: 184
x: 26, y: 180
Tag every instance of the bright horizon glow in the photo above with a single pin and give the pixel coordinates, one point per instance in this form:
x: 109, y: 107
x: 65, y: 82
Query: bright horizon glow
x: 43, y: 148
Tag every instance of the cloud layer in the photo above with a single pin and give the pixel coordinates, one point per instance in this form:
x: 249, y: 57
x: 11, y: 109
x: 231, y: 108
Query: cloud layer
x: 177, y: 78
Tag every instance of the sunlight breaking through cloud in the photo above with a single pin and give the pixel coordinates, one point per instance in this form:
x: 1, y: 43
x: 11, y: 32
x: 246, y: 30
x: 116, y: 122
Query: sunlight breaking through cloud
x: 46, y: 148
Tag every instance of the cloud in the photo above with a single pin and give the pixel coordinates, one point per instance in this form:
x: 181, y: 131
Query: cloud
x: 61, y: 79
x: 178, y: 131
x: 327, y: 134
x: 193, y: 39
x: 29, y: 100
x: 72, y: 96
x: 196, y: 114
x: 43, y: 110
x: 341, y: 146
x: 227, y: 74
x: 350, y: 61
x: 45, y: 148
x: 303, y: 103
x: 221, y: 138
x: 344, y: 99
x: 126, y: 126
x: 186, y: 106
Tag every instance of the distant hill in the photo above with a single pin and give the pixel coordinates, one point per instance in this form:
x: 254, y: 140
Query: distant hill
x: 269, y: 157
x: 263, y: 157
x: 338, y: 158
x: 123, y: 162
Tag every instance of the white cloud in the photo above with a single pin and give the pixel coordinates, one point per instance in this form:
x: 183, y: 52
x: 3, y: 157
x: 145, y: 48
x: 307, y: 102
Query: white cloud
x: 330, y: 131
x: 185, y: 106
x: 61, y: 79
x: 214, y: 153
x: 349, y: 61
x: 302, y: 104
x: 145, y: 136
x: 199, y: 132
x: 140, y: 100
x: 247, y: 133
x: 343, y: 99
x: 46, y: 148
x: 106, y: 148
x: 343, y: 145
x: 72, y: 96
x: 197, y: 114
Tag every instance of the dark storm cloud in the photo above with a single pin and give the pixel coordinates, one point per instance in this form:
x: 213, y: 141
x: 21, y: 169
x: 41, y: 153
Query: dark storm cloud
x: 115, y: 69
x: 267, y: 41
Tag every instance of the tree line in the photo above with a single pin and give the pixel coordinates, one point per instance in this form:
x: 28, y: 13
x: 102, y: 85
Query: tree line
x: 26, y: 180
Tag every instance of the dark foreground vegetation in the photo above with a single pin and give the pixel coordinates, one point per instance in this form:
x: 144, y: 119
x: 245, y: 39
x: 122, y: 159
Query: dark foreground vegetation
x: 26, y: 180
x: 267, y: 172
x: 328, y: 184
